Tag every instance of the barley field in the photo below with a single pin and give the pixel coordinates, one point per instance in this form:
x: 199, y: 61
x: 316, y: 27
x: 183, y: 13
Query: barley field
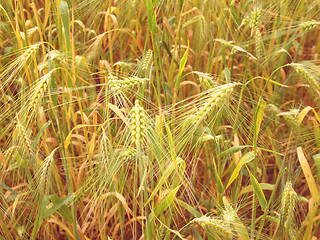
x: 154, y: 119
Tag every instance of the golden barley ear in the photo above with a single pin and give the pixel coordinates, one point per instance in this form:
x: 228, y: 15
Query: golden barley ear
x: 22, y: 138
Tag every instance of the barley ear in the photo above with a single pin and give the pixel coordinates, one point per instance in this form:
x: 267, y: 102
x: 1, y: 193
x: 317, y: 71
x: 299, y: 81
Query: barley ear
x: 138, y: 124
x: 308, y: 25
x: 288, y: 206
x: 214, y: 226
x: 45, y: 172
x: 306, y: 75
x: 39, y: 89
x: 214, y: 100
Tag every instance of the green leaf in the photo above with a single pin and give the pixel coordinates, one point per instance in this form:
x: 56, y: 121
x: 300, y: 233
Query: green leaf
x: 155, y: 2
x: 37, y: 138
x: 248, y: 157
x: 182, y: 65
x: 165, y: 175
x: 166, y: 202
x: 39, y: 218
x: 316, y: 159
x: 189, y: 208
x: 260, y: 112
x: 217, y: 178
x: 155, y: 28
x: 227, y: 75
x: 264, y: 186
x: 64, y: 14
x: 59, y: 204
x: 233, y: 150
x: 258, y: 191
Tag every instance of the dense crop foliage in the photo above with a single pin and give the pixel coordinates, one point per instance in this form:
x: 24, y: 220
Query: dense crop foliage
x: 155, y: 119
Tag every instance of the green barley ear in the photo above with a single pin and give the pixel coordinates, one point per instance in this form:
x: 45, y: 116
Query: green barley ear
x: 39, y: 89
x: 287, y: 211
x: 138, y: 124
x: 291, y: 118
x: 273, y: 109
x: 125, y: 84
x: 306, y: 75
x: 214, y: 226
x: 146, y: 61
x: 258, y: 44
x: 206, y: 81
x: 203, y: 27
x: 307, y: 26
x: 45, y: 172
x: 130, y: 153
x: 25, y: 141
x: 95, y: 49
x: 255, y: 18
x: 215, y: 98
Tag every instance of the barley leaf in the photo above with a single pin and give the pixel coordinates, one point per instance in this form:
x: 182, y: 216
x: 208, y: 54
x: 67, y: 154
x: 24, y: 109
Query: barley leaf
x: 59, y: 205
x: 316, y: 159
x: 260, y: 112
x: 308, y: 175
x: 303, y: 113
x: 182, y: 65
x: 189, y: 208
x: 258, y: 191
x: 64, y: 14
x: 248, y: 157
x: 232, y: 150
x: 37, y: 138
x: 166, y: 202
x: 165, y: 176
